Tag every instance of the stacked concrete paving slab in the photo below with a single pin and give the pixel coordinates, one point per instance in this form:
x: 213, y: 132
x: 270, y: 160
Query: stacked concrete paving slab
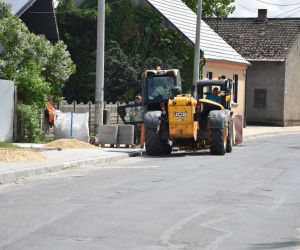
x: 116, y: 134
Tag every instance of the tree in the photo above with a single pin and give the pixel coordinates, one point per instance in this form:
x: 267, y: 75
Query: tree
x: 213, y: 8
x: 78, y: 30
x: 36, y: 66
x: 136, y: 40
x: 121, y: 74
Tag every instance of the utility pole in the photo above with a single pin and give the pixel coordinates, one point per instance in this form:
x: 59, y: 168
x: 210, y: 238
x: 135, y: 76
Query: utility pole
x: 197, y: 44
x: 99, y: 90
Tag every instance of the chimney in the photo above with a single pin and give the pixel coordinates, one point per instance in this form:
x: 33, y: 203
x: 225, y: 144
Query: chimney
x: 262, y: 15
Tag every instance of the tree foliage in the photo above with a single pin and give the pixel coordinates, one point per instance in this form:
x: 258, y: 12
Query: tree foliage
x: 213, y: 8
x: 36, y: 66
x: 30, y: 118
x: 135, y: 40
x: 121, y: 74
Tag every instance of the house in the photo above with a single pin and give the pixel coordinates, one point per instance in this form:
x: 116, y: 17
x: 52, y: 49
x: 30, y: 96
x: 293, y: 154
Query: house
x: 38, y: 15
x: 272, y: 45
x: 221, y: 58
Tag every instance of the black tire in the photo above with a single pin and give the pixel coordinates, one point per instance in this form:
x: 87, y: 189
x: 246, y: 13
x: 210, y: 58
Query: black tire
x: 152, y: 142
x: 229, y: 142
x: 217, y: 143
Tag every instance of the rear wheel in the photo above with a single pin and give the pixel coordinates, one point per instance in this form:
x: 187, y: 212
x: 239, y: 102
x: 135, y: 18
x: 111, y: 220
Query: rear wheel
x: 217, y: 141
x: 229, y: 142
x: 152, y: 142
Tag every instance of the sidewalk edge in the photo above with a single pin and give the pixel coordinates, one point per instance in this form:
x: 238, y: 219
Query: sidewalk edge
x: 270, y: 134
x: 11, y: 176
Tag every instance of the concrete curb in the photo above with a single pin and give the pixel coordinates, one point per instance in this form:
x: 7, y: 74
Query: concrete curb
x: 11, y: 176
x: 270, y: 134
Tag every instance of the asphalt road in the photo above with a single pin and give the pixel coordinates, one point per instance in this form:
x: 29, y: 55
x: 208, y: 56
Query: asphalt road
x: 248, y: 199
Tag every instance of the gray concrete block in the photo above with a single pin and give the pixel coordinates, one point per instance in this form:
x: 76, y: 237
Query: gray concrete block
x: 126, y: 134
x: 108, y: 134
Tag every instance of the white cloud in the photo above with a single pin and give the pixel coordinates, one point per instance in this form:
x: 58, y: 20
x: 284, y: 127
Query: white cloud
x: 248, y: 8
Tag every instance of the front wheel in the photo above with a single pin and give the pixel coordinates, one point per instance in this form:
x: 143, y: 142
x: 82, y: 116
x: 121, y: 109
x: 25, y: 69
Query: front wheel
x: 152, y: 142
x: 217, y: 141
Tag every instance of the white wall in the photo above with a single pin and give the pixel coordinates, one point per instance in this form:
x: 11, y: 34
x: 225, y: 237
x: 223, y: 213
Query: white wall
x: 6, y: 110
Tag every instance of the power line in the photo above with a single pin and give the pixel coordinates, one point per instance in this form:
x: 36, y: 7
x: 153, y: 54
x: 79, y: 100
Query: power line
x: 294, y: 16
x: 115, y: 2
x: 246, y: 8
x: 277, y: 4
x: 285, y: 12
x: 293, y: 13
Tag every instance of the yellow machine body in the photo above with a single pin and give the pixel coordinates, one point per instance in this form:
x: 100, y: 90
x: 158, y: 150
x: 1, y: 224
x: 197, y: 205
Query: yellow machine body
x: 181, y: 118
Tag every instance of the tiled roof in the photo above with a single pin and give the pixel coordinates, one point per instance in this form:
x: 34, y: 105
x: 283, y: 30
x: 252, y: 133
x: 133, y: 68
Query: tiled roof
x: 19, y: 6
x: 258, y: 40
x: 184, y: 20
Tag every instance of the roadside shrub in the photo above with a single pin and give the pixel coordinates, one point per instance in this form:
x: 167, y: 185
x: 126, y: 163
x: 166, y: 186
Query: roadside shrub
x: 29, y: 117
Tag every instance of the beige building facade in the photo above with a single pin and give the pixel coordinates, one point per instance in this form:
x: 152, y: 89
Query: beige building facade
x: 236, y: 72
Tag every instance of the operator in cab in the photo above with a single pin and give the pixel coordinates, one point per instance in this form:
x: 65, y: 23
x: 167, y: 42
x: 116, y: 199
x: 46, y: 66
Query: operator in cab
x: 214, y: 96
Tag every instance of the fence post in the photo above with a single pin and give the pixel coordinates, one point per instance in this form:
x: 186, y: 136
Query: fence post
x: 74, y: 106
x: 90, y: 116
x: 15, y: 124
x: 118, y: 104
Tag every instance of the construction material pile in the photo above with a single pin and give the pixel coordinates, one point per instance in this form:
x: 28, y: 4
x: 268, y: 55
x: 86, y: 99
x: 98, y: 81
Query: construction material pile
x: 69, y: 143
x: 20, y: 155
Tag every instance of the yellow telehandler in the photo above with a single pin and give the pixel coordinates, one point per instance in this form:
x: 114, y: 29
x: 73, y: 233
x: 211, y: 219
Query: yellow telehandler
x: 190, y: 122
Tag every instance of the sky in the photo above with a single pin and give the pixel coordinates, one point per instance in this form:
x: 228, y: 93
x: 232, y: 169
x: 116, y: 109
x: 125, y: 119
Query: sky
x: 248, y: 8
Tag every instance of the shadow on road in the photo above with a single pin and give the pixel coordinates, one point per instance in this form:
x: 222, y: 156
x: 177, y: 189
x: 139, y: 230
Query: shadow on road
x: 181, y: 154
x: 277, y: 245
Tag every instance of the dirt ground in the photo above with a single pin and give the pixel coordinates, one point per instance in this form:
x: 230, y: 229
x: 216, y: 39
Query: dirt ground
x: 69, y: 143
x: 20, y: 155
x: 16, y: 154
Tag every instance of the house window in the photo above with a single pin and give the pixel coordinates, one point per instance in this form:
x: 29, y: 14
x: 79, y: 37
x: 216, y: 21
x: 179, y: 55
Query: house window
x: 260, y: 98
x: 209, y: 75
x: 235, y: 88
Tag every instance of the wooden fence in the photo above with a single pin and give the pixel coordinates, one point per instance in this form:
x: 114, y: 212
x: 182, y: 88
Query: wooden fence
x: 109, y: 108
